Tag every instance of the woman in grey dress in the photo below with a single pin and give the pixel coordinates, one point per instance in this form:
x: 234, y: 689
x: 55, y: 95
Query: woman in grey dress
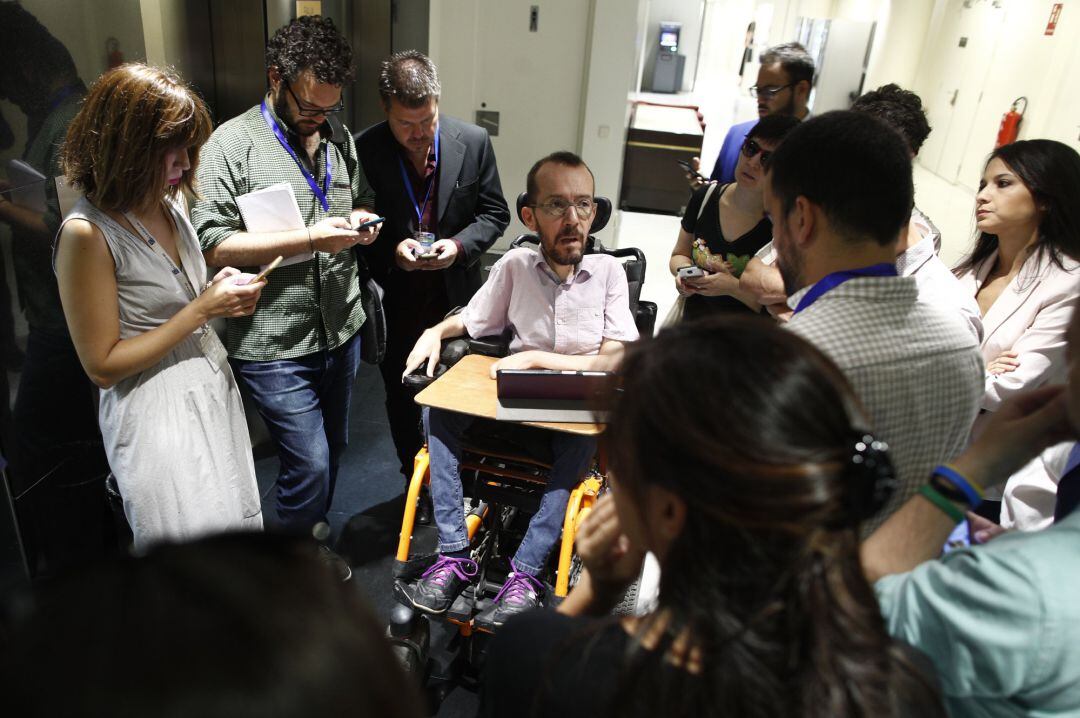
x: 133, y: 286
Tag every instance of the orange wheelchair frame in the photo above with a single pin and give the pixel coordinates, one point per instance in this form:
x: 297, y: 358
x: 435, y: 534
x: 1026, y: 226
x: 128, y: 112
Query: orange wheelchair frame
x: 580, y: 503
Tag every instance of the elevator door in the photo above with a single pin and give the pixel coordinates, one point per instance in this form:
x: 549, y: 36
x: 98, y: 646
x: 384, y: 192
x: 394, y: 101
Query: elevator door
x: 491, y: 60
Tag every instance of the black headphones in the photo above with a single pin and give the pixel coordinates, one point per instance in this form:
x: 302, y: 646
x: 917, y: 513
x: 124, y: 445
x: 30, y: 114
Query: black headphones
x: 600, y: 219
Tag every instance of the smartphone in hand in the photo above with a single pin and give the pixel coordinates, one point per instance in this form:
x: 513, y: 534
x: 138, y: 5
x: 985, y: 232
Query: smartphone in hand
x: 266, y: 271
x: 691, y: 171
x: 691, y: 272
x: 369, y: 223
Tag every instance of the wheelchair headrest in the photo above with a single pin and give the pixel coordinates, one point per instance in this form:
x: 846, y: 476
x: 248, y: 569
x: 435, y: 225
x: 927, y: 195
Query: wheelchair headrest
x: 600, y: 219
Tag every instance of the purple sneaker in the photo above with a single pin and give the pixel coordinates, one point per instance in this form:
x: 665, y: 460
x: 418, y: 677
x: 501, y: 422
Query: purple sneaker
x: 520, y: 593
x: 440, y: 585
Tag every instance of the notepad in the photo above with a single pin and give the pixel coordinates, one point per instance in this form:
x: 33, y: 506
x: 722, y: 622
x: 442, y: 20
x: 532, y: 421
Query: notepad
x: 273, y: 209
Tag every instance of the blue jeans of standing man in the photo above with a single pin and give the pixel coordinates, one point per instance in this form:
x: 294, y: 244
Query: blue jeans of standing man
x: 572, y: 453
x: 305, y: 404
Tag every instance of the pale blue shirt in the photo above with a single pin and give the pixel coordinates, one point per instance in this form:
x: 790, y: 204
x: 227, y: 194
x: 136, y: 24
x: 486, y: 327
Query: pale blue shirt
x: 1000, y: 622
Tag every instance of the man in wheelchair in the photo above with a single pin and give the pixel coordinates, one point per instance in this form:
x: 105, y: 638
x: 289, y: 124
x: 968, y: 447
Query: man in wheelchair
x: 566, y: 310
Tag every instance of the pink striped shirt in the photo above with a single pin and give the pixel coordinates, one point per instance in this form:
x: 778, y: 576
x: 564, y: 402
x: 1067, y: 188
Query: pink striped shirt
x: 545, y: 314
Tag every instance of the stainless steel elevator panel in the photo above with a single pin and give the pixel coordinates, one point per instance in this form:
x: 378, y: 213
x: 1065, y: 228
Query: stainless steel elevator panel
x: 238, y: 46
x: 380, y: 27
x: 370, y: 38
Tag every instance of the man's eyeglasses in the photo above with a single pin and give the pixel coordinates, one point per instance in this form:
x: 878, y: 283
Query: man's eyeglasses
x: 751, y: 148
x: 557, y: 208
x: 767, y: 93
x: 305, y: 110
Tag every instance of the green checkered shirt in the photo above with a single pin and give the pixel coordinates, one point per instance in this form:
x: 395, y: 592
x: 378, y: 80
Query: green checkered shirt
x: 308, y: 306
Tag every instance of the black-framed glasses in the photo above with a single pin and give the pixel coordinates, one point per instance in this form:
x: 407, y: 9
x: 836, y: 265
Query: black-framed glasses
x: 767, y: 93
x: 305, y: 110
x: 751, y: 147
x: 558, y: 207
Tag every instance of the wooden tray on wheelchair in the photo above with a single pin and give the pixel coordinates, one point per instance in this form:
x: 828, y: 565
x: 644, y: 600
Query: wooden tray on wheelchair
x: 467, y: 388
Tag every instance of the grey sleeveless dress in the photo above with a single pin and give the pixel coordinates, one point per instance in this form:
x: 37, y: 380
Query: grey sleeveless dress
x: 175, y: 434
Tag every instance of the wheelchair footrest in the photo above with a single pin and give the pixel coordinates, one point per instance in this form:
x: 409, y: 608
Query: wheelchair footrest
x: 464, y: 607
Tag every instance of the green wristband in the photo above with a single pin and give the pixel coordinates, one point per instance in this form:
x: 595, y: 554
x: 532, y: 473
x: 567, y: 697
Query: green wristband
x: 947, y: 507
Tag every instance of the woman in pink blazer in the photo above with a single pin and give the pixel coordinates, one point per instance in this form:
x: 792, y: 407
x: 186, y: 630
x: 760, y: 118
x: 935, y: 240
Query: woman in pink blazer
x: 1027, y: 212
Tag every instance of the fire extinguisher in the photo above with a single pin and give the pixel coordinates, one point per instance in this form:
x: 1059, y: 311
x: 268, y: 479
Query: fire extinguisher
x: 113, y: 55
x: 1010, y: 123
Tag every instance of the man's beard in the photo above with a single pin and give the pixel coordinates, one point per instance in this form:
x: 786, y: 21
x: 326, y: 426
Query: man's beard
x: 281, y: 109
x: 787, y: 109
x: 790, y: 266
x: 564, y: 255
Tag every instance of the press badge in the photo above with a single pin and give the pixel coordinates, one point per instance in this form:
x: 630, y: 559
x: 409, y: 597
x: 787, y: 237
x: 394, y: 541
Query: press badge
x: 212, y: 348
x: 426, y: 239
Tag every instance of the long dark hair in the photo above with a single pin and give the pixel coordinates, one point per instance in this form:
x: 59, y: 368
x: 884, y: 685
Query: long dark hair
x: 1049, y: 170
x: 753, y: 428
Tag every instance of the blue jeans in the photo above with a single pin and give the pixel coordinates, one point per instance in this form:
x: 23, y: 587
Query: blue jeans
x: 305, y: 404
x: 572, y: 453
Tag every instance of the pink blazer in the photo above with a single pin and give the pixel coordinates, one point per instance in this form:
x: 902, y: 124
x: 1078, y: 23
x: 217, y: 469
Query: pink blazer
x: 1030, y: 317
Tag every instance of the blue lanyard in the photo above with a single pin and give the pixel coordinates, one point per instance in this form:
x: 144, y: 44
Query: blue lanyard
x: 320, y: 193
x: 831, y: 281
x: 419, y: 208
x: 64, y: 93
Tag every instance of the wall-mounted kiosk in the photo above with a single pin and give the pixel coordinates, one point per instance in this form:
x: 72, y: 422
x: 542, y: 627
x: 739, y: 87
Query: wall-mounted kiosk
x: 668, y: 70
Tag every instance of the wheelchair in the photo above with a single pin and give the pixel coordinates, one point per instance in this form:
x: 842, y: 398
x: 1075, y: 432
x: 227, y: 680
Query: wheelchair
x: 504, y: 467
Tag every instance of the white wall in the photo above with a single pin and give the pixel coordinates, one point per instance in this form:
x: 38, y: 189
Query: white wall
x: 1007, y: 55
x: 722, y: 42
x: 687, y: 12
x: 488, y: 59
x: 899, y: 41
x: 613, y: 44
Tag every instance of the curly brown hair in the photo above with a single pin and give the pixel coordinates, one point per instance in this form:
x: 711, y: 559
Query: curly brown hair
x: 115, y: 147
x: 311, y: 43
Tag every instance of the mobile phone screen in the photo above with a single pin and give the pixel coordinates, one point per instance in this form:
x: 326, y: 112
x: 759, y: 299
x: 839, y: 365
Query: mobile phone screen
x: 959, y: 538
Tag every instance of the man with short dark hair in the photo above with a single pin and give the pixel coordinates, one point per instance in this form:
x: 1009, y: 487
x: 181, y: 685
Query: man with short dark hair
x: 917, y: 246
x: 784, y: 81
x: 437, y: 184
x: 299, y: 352
x: 567, y: 310
x: 836, y: 216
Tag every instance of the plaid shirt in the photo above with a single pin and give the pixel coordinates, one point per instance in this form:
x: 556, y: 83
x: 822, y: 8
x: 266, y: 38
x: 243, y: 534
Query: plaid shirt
x: 916, y: 368
x: 309, y: 306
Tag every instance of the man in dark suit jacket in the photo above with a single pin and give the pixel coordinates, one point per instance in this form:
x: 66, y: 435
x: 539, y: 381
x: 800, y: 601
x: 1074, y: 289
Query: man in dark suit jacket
x: 436, y: 182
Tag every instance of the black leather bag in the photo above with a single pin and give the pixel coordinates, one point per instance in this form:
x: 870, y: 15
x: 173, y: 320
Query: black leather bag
x: 373, y: 333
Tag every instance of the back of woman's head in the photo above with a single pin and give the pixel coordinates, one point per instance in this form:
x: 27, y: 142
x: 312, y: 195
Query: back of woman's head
x: 228, y: 626
x: 116, y: 145
x: 755, y: 431
x: 1050, y: 170
x: 749, y: 424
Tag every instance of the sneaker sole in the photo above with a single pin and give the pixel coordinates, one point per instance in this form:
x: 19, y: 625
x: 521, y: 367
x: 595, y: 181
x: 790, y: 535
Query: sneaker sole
x: 426, y: 609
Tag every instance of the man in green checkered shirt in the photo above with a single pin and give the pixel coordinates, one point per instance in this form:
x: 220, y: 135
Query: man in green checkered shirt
x: 298, y: 353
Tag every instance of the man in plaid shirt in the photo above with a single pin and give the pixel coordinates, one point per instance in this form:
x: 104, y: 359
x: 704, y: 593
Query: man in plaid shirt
x: 839, y: 192
x: 298, y: 353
